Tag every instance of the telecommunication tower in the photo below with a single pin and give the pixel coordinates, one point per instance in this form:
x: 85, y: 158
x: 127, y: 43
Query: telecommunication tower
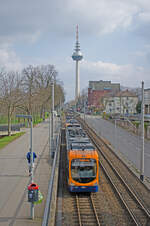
x: 77, y: 56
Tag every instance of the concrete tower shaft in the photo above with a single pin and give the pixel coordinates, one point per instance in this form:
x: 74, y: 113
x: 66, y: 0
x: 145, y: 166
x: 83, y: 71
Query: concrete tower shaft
x: 77, y: 56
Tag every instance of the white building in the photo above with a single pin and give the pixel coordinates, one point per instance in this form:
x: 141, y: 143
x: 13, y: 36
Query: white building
x: 147, y: 100
x: 124, y: 102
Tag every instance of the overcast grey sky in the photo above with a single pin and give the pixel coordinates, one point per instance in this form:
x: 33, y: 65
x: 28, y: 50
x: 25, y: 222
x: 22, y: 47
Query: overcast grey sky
x: 114, y: 36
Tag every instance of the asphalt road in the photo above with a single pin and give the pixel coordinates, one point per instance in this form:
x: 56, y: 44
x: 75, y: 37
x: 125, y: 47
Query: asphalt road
x: 127, y: 143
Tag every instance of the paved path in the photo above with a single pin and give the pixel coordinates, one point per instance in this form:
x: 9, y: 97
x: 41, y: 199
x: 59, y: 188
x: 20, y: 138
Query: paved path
x: 14, y: 179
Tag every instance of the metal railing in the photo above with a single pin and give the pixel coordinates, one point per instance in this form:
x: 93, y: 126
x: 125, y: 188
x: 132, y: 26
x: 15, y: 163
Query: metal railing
x: 14, y: 127
x: 47, y: 210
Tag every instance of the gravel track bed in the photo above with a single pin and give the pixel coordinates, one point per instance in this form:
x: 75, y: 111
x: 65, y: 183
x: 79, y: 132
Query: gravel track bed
x: 108, y: 207
x: 137, y: 186
x: 133, y: 182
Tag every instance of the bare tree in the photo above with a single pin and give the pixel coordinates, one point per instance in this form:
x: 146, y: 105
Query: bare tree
x: 29, y: 75
x: 45, y: 75
x: 30, y: 91
x: 59, y: 94
x: 37, y: 83
x: 10, y: 93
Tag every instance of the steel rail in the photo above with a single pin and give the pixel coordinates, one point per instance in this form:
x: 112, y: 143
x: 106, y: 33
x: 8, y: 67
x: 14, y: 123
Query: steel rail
x: 146, y: 212
x: 135, y: 220
x: 108, y: 146
x: 78, y: 209
x: 95, y: 212
x: 92, y: 207
x: 144, y: 209
x: 130, y: 192
x: 127, y: 187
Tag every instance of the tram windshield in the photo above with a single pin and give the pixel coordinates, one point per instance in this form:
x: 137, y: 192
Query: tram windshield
x: 83, y: 170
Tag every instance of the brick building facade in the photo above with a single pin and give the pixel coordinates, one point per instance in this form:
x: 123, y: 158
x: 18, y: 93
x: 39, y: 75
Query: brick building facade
x: 98, y: 89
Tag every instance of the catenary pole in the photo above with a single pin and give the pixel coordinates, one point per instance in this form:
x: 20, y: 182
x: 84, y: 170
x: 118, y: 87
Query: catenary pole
x: 142, y: 135
x: 32, y: 176
x: 29, y: 117
x: 52, y: 121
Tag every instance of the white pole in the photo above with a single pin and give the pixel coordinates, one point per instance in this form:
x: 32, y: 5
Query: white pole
x: 142, y: 134
x: 31, y: 157
x: 49, y: 135
x: 31, y: 152
x: 52, y: 123
x: 52, y: 109
x: 115, y: 135
x: 84, y: 109
x: 32, y: 204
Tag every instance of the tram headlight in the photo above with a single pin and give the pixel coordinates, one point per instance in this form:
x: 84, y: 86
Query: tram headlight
x: 72, y: 184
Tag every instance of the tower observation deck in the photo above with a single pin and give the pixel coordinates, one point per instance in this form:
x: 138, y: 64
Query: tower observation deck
x: 77, y: 56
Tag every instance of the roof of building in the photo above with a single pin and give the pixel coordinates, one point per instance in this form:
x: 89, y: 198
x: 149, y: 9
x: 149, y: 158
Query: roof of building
x: 147, y: 89
x: 103, y: 85
x: 126, y: 93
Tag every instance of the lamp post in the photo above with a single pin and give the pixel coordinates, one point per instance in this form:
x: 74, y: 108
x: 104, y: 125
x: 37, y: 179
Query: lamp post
x: 31, y: 154
x: 142, y: 135
x: 116, y: 146
x: 84, y: 109
x: 84, y: 106
x: 49, y: 133
x: 52, y: 120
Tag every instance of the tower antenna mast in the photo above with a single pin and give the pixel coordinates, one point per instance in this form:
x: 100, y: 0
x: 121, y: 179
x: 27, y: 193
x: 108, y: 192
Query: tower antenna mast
x: 77, y: 56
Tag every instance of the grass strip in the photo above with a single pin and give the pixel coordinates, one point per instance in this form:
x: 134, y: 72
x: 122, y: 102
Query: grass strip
x: 7, y: 139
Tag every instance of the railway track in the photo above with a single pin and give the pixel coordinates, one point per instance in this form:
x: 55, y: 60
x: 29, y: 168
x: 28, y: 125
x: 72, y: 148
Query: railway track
x: 138, y: 213
x: 87, y: 214
x: 134, y: 195
x: 78, y: 208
